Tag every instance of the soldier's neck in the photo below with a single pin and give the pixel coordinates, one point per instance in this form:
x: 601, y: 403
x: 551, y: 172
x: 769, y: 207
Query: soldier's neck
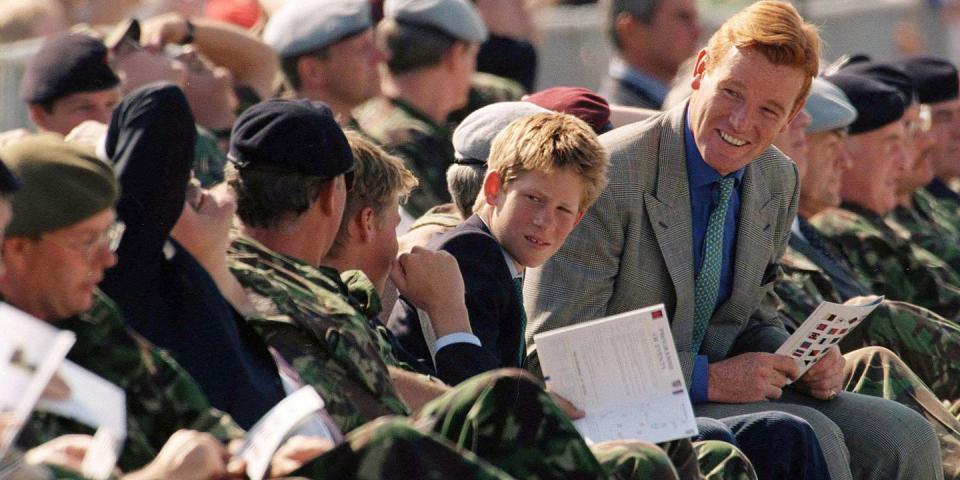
x: 425, y: 91
x: 290, y: 243
x: 342, y: 111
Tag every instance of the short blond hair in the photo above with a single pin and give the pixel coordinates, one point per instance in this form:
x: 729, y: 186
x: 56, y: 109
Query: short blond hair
x: 778, y: 32
x: 377, y: 180
x: 546, y: 143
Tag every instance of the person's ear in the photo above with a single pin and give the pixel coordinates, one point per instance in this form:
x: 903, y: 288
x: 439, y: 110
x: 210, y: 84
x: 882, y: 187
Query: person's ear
x: 15, y: 252
x: 453, y: 57
x: 699, y: 69
x: 579, y: 216
x: 366, y: 224
x: 323, y: 198
x: 492, y: 187
x: 38, y: 115
x: 311, y: 72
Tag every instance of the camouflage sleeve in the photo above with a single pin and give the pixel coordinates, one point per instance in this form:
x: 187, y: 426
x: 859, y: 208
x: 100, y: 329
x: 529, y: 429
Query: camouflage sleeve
x: 393, y: 449
x: 427, y: 157
x: 184, y: 400
x: 897, y: 274
x: 802, y: 288
x: 348, y: 402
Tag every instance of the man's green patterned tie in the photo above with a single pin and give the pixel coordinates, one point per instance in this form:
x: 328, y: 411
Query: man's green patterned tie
x: 708, y: 278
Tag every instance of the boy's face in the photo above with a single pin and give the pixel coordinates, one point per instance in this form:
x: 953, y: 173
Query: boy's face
x: 533, y: 215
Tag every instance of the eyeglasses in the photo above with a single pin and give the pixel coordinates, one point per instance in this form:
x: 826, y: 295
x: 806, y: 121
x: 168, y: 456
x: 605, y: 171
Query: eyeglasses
x: 87, y: 246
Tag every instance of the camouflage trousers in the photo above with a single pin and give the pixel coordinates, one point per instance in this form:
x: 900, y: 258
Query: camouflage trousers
x: 506, y: 418
x: 926, y: 342
x: 391, y: 448
x: 722, y: 461
x: 878, y: 372
x: 707, y: 460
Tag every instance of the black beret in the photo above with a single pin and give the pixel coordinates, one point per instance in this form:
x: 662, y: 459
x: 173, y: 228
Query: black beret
x: 67, y: 63
x: 935, y: 78
x: 889, y: 74
x: 877, y: 103
x: 291, y: 135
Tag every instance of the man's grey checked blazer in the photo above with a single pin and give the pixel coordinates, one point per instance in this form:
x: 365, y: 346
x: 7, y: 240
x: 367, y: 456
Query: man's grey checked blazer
x: 634, y: 248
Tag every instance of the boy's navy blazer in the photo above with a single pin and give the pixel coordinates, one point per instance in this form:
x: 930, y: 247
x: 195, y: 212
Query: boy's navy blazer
x: 495, y: 312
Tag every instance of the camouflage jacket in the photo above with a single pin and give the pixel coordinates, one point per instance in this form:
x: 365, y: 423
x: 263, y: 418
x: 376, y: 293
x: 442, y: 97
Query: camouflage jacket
x: 307, y: 319
x: 425, y: 146
x: 920, y: 228
x: 161, y: 397
x: 942, y: 211
x: 927, y: 342
x: 888, y: 264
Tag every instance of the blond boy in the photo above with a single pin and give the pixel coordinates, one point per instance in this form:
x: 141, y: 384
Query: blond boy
x: 544, y: 171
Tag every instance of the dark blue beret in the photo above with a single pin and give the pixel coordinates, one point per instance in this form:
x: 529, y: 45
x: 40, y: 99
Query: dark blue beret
x: 877, y: 103
x: 67, y: 63
x: 889, y: 74
x: 935, y: 78
x: 293, y: 136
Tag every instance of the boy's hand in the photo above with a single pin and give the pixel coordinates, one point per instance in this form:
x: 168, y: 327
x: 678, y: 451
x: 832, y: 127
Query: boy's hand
x: 296, y: 452
x: 432, y: 281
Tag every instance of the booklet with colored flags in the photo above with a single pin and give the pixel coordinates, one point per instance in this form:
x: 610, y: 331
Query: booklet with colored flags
x: 824, y: 328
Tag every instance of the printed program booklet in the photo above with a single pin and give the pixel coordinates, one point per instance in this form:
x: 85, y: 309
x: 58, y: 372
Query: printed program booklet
x: 824, y: 328
x: 623, y: 371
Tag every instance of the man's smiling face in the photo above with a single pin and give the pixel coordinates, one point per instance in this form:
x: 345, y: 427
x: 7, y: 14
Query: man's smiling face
x: 740, y: 105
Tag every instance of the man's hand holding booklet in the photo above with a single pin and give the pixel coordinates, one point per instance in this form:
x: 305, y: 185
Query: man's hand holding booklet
x: 824, y: 328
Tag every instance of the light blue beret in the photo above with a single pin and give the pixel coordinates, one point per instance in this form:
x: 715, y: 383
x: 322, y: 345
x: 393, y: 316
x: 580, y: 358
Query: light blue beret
x: 472, y: 138
x: 302, y: 26
x: 828, y: 107
x: 457, y: 18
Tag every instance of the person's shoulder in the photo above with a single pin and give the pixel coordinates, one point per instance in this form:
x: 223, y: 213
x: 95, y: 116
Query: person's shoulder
x: 793, y: 260
x: 390, y: 125
x: 839, y: 222
x: 777, y: 168
x: 473, y: 247
x: 640, y: 132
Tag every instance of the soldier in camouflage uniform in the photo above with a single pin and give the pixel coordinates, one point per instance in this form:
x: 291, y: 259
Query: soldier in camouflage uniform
x: 872, y: 371
x: 327, y: 52
x: 939, y: 225
x: 883, y: 261
x: 63, y: 244
x: 925, y: 341
x: 432, y: 49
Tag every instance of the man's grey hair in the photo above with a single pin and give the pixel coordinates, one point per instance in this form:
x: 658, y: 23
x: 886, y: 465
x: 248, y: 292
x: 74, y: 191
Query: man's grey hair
x: 642, y: 10
x: 464, y: 183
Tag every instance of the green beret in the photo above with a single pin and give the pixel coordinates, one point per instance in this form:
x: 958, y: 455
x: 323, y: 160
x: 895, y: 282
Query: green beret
x: 62, y: 184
